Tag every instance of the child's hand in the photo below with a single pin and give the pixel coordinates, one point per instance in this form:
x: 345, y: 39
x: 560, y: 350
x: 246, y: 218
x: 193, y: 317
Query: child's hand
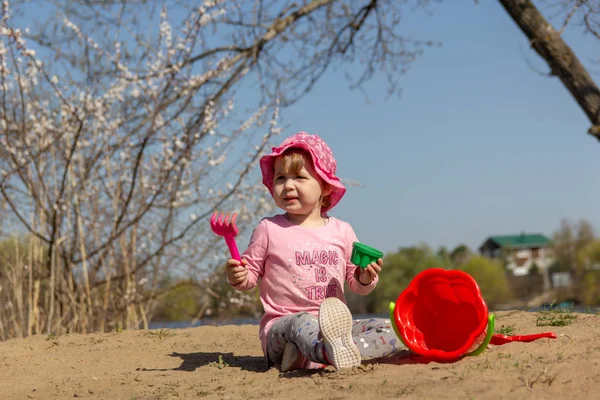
x: 237, y: 273
x: 369, y: 273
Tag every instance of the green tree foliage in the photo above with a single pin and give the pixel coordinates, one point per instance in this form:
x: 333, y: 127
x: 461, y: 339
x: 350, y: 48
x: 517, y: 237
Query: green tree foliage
x: 459, y: 254
x: 490, y: 277
x: 180, y: 303
x: 588, y: 258
x: 18, y: 251
x: 534, y: 270
x: 568, y: 241
x: 401, y: 267
x: 443, y: 254
x: 572, y: 254
x: 588, y: 264
x: 590, y: 293
x: 186, y: 299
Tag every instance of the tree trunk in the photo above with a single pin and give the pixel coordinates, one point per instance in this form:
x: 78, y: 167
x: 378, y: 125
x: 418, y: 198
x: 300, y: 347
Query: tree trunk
x: 564, y: 64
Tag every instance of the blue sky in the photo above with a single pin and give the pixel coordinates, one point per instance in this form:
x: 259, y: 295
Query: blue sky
x: 478, y: 144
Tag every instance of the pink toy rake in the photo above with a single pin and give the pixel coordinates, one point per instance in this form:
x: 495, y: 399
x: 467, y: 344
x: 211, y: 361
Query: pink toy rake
x: 228, y: 230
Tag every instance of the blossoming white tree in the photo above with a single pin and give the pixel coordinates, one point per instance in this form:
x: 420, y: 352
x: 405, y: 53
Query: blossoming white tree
x: 123, y: 126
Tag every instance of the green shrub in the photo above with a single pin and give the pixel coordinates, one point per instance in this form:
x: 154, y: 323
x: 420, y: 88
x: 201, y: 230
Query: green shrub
x: 490, y: 276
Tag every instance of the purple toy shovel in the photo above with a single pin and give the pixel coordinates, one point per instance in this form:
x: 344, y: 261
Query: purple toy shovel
x: 228, y: 230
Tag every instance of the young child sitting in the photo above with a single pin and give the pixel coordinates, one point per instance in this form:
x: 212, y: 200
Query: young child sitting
x: 302, y: 259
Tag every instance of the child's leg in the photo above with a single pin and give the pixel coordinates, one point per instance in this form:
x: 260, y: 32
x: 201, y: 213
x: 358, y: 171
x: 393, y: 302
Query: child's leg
x: 375, y: 338
x: 327, y: 340
x: 302, y: 330
x: 332, y: 339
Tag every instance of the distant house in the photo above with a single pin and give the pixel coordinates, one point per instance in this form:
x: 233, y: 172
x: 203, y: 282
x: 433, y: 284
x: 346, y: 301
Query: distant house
x: 520, y: 251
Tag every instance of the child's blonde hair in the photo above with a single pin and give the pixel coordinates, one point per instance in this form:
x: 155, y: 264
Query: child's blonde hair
x: 293, y: 161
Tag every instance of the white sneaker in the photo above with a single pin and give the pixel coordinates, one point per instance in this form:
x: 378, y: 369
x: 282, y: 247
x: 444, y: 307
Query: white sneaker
x: 335, y: 322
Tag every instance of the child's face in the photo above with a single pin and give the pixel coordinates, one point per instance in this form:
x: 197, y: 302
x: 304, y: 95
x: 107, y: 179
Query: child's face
x: 299, y: 191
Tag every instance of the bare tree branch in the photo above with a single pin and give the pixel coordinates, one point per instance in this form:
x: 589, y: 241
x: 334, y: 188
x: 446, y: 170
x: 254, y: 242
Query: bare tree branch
x: 564, y: 64
x: 122, y: 129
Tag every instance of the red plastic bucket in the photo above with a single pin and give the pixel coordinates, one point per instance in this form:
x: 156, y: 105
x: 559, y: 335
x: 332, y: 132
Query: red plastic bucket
x: 441, y: 315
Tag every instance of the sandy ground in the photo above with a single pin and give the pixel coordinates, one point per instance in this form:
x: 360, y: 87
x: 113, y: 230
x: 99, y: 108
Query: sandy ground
x: 226, y: 363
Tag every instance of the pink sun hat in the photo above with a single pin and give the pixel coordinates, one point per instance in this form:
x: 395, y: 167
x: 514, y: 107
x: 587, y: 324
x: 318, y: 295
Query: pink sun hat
x: 323, y: 162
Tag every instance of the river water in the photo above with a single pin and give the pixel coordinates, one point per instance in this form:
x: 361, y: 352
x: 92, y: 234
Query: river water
x: 255, y: 321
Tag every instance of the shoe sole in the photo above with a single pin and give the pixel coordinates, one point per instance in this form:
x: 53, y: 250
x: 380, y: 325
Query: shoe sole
x: 290, y: 357
x: 335, y: 322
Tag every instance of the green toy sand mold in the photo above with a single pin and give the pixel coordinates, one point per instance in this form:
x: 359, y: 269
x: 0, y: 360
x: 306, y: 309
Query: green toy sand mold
x: 363, y: 255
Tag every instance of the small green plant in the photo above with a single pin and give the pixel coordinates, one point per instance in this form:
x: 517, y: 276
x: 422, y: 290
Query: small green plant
x: 51, y: 336
x: 483, y: 365
x: 404, y: 392
x: 507, y: 330
x: 220, y: 364
x: 555, y: 316
x: 161, y: 333
x: 461, y: 376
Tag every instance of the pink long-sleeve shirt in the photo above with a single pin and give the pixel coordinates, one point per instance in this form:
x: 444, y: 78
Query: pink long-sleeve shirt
x: 299, y: 267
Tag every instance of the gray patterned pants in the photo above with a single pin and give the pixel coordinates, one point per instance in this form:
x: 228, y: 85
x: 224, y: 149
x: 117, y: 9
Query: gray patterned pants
x: 374, y: 337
